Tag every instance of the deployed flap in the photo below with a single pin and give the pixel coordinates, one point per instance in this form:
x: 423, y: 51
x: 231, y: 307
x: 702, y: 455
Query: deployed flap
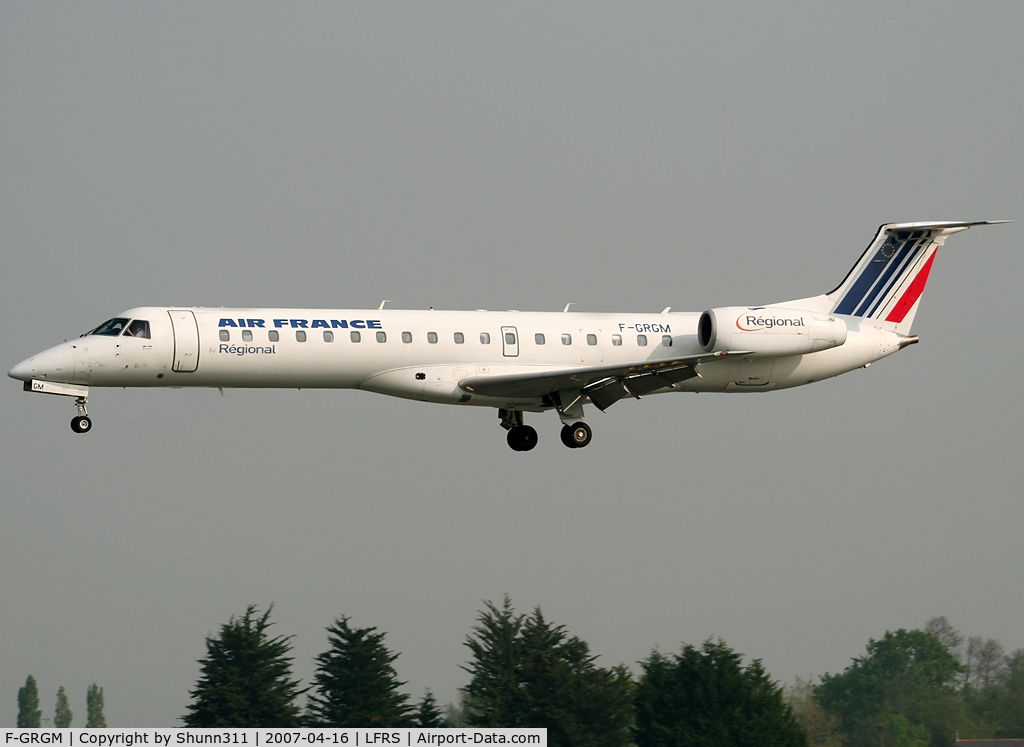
x: 603, y: 384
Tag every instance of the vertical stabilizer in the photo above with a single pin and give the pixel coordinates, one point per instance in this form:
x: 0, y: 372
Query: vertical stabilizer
x: 887, y: 282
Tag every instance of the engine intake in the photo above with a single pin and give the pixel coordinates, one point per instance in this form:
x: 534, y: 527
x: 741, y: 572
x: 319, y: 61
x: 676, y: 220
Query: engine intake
x: 768, y: 331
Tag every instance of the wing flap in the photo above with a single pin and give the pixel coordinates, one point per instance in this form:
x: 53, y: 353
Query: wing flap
x: 605, y: 385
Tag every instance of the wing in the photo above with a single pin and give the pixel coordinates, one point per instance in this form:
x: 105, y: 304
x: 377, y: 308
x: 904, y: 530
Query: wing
x: 604, y: 385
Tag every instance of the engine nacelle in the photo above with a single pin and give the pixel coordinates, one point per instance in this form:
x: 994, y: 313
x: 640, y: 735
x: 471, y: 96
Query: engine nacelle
x: 768, y: 331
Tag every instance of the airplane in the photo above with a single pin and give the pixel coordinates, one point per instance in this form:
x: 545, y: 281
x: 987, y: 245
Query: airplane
x: 513, y: 361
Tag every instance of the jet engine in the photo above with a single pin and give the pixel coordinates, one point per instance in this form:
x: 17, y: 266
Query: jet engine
x: 768, y: 331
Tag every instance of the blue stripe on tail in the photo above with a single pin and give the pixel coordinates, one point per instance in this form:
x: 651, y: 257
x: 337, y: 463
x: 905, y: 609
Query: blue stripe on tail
x: 868, y: 276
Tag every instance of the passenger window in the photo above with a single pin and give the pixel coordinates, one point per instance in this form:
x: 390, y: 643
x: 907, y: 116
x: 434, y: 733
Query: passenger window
x: 300, y: 335
x: 591, y: 339
x: 666, y: 340
x: 485, y: 338
x: 354, y: 336
x: 538, y: 338
x: 138, y: 328
x: 459, y: 338
x: 510, y: 338
x: 328, y: 336
x: 273, y: 335
x: 246, y: 335
x: 224, y: 335
x: 382, y: 337
x: 432, y: 337
x: 616, y: 340
x: 567, y: 339
x: 641, y: 340
x: 407, y: 337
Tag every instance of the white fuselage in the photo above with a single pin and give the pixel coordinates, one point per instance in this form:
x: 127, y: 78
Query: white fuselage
x: 421, y: 355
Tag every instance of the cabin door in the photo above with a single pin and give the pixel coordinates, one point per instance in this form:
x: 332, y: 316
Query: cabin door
x: 186, y: 340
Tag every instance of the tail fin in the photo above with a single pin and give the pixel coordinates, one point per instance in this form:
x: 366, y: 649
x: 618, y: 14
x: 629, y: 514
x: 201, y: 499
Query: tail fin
x: 887, y: 282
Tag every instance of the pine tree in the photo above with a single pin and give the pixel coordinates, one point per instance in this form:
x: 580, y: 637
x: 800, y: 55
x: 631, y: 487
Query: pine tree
x: 706, y: 698
x: 428, y: 715
x: 29, y: 715
x: 246, y: 678
x: 527, y: 672
x: 94, y: 703
x: 62, y: 713
x: 493, y: 693
x: 355, y: 684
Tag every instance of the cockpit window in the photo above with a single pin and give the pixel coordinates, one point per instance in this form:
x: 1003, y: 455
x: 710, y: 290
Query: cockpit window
x: 139, y: 328
x: 111, y: 328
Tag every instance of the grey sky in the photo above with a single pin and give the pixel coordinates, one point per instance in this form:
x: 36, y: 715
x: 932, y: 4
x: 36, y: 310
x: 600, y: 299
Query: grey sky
x: 619, y: 156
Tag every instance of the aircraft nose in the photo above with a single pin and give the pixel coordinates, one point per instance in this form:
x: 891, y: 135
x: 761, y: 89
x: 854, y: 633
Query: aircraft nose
x: 56, y: 364
x: 23, y: 371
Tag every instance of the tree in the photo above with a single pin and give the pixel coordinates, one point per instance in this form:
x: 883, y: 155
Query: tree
x: 948, y: 636
x: 493, y: 694
x: 94, y: 705
x: 527, y: 672
x: 822, y: 728
x: 246, y: 677
x: 29, y: 715
x: 62, y: 713
x: 1009, y: 698
x: 428, y: 714
x: 997, y: 710
x: 705, y: 698
x: 355, y: 684
x: 906, y: 673
x: 985, y: 663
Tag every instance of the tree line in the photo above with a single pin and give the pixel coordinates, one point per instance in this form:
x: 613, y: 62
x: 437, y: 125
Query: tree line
x: 911, y: 688
x: 524, y: 671
x: 917, y: 688
x: 30, y: 716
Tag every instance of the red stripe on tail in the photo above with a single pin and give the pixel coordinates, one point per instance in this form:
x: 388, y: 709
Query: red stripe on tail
x: 910, y: 296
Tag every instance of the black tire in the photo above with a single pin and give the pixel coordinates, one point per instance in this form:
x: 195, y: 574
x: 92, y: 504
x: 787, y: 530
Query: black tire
x: 81, y: 424
x: 522, y: 438
x: 566, y: 436
x: 580, y: 434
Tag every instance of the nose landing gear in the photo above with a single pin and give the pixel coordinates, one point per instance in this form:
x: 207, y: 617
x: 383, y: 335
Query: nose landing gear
x: 81, y: 423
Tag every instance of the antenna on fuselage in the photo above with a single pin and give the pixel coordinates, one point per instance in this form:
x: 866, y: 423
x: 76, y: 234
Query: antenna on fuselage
x: 567, y: 307
x: 386, y: 300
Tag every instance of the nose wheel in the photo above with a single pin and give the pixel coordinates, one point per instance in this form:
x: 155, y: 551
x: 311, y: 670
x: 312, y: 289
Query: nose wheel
x: 81, y: 423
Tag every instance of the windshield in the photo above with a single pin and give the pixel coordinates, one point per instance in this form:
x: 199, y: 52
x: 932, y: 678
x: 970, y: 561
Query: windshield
x: 111, y: 328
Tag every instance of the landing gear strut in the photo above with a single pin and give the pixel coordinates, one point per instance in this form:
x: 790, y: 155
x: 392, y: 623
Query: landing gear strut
x: 577, y: 435
x: 81, y: 423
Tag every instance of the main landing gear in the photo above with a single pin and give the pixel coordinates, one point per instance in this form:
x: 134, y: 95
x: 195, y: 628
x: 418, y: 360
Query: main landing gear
x: 522, y: 437
x: 577, y: 435
x: 81, y: 423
